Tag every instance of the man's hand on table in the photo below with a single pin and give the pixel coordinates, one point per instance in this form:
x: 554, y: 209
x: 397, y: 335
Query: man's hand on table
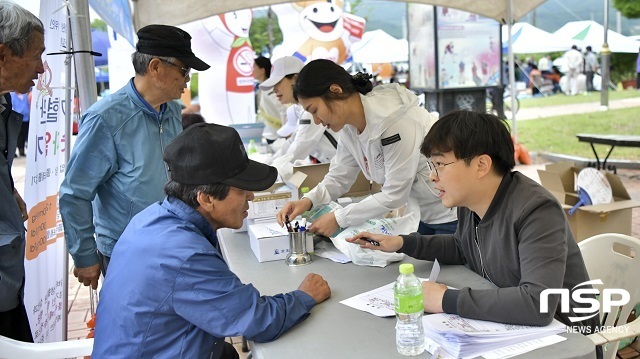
x: 314, y: 285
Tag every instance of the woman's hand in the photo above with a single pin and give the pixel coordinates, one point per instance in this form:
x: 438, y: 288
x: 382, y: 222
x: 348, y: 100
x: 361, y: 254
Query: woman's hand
x: 326, y: 225
x: 381, y: 242
x: 293, y: 209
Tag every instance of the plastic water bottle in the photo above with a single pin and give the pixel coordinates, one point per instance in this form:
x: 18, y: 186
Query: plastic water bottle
x: 252, y: 147
x: 407, y: 297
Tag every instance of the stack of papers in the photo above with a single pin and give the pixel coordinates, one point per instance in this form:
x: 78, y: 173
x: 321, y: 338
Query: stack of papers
x: 468, y: 338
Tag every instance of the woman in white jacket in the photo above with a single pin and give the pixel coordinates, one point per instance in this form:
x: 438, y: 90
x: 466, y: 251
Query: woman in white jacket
x: 381, y: 130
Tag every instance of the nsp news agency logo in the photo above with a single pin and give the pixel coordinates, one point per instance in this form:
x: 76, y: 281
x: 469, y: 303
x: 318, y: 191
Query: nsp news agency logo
x: 611, y: 297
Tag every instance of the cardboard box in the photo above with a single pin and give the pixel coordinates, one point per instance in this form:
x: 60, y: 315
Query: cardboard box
x: 266, y: 204
x: 314, y: 174
x: 588, y: 221
x: 270, y: 242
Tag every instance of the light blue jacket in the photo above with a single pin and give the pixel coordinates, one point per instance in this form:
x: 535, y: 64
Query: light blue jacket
x: 115, y: 170
x: 170, y: 294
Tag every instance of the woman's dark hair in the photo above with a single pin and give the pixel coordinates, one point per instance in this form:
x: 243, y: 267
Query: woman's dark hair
x: 264, y: 63
x: 189, y: 119
x: 469, y: 134
x: 316, y: 77
x: 189, y: 193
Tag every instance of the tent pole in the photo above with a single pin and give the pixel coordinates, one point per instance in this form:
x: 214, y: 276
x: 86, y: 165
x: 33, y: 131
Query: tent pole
x: 512, y: 72
x: 68, y: 108
x: 81, y: 34
x: 605, y: 56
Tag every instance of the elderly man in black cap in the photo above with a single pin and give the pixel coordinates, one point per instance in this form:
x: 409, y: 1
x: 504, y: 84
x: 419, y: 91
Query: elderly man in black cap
x: 116, y: 167
x: 169, y: 292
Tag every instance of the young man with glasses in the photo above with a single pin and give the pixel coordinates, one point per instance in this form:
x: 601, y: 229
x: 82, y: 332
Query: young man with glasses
x: 116, y: 167
x: 511, y: 230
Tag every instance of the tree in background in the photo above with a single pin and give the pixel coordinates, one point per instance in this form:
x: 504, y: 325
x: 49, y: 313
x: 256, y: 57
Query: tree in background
x: 628, y: 8
x: 265, y: 33
x: 98, y: 24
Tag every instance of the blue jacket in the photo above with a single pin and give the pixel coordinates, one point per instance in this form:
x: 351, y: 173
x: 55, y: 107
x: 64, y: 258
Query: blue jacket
x: 115, y: 170
x: 12, y: 236
x: 170, y: 294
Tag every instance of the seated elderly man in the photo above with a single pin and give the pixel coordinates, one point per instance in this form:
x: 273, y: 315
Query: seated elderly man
x: 169, y: 292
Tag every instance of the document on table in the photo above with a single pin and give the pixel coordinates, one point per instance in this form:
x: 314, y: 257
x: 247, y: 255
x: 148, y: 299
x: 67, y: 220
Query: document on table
x: 379, y: 301
x: 467, y: 338
x: 501, y: 353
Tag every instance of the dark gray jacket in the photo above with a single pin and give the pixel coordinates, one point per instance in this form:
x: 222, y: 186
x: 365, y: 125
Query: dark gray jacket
x: 524, y: 245
x: 12, y: 240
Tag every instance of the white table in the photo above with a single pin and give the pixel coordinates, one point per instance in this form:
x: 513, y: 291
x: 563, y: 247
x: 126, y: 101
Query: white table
x: 334, y: 330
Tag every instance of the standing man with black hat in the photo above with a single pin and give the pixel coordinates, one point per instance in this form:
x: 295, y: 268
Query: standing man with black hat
x: 116, y: 167
x: 21, y: 48
x: 169, y: 292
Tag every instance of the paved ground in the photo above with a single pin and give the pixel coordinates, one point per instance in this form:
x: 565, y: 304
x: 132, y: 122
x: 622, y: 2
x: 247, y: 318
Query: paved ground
x: 78, y: 296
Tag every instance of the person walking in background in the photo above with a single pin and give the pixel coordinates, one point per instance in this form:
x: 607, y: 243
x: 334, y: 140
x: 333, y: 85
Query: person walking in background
x: 116, y: 167
x: 591, y: 66
x: 270, y: 111
x: 21, y: 48
x: 575, y: 64
x: 22, y: 105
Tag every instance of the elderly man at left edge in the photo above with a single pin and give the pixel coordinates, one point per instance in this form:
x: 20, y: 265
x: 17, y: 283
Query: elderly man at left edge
x: 116, y: 167
x: 21, y: 48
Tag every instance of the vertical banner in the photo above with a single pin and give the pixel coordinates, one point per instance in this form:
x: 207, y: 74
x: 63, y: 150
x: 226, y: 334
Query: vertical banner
x: 45, y: 250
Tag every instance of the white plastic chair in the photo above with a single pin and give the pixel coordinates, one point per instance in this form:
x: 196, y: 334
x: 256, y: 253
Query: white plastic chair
x: 12, y: 349
x: 614, y: 259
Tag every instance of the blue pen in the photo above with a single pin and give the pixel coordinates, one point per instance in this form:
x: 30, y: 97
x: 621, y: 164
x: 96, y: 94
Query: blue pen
x: 303, y: 227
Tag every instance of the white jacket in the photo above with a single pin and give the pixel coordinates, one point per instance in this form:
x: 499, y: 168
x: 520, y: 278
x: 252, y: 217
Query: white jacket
x: 387, y: 152
x: 308, y: 139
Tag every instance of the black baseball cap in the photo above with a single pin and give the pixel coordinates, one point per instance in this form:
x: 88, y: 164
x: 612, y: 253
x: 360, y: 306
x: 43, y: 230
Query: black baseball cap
x: 206, y: 153
x: 168, y: 41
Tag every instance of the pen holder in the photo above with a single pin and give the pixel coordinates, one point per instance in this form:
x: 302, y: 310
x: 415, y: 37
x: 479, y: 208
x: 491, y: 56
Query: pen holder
x: 298, y: 255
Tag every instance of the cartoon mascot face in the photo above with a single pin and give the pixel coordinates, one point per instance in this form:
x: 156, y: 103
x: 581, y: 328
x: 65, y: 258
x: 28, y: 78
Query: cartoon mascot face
x: 322, y: 21
x: 238, y: 22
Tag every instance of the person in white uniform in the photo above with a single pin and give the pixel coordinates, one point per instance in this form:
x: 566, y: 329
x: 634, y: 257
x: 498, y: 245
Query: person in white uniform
x: 381, y: 129
x: 575, y: 64
x: 270, y: 111
x: 307, y: 138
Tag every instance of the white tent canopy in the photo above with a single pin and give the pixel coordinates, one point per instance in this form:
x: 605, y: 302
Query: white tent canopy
x: 528, y: 39
x: 590, y: 33
x: 166, y: 12
x: 378, y: 47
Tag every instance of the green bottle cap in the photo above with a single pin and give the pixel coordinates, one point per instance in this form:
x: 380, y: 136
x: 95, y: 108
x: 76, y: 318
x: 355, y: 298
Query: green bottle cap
x: 304, y: 189
x: 406, y: 268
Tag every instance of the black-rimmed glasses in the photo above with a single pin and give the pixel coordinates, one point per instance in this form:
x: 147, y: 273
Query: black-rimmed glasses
x: 433, y: 166
x: 185, y: 71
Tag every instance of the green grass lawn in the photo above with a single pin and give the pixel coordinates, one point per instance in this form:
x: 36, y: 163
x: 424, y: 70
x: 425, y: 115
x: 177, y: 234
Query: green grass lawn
x: 558, y: 134
x: 561, y: 99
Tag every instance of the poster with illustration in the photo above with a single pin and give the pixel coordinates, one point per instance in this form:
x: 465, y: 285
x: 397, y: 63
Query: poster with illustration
x: 317, y: 30
x: 422, y: 46
x: 225, y: 91
x: 468, y: 49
